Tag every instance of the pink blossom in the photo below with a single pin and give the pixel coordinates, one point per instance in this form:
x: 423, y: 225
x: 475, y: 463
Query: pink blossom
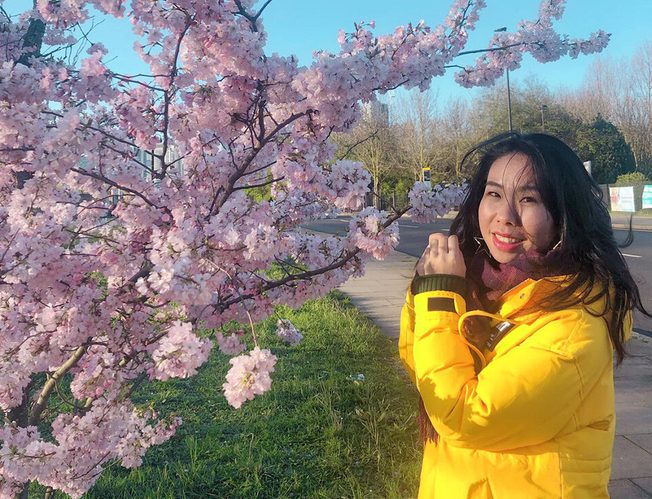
x: 179, y: 353
x: 249, y: 376
x: 367, y: 232
x: 288, y: 332
x: 231, y: 344
x: 427, y: 203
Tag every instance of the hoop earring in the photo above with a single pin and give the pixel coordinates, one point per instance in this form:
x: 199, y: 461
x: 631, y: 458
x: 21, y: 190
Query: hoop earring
x: 481, y: 245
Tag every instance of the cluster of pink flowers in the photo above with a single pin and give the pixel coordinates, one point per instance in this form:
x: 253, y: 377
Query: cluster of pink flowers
x: 368, y: 233
x: 80, y: 447
x: 231, y: 344
x: 179, y: 353
x: 250, y: 375
x: 288, y: 332
x: 538, y: 38
x: 430, y: 202
x: 140, y: 213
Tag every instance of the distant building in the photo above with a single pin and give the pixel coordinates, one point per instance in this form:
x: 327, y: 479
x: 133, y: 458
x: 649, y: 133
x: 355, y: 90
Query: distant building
x: 377, y: 112
x: 153, y: 163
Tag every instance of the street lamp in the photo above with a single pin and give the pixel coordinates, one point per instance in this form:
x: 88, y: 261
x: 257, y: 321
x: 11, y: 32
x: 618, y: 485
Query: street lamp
x: 509, y: 94
x: 543, y: 123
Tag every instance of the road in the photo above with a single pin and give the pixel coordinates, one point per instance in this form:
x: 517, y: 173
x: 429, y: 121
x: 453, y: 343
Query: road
x: 638, y: 254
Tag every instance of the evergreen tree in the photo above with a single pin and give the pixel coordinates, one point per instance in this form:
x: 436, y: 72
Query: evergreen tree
x: 602, y: 143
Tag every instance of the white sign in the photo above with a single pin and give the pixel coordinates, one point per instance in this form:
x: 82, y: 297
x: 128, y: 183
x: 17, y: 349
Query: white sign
x: 647, y: 197
x: 622, y: 199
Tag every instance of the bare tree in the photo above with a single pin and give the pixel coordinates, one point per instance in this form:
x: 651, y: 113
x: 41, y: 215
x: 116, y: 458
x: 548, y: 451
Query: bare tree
x: 418, y: 135
x: 458, y: 132
x: 639, y: 98
x: 599, y: 94
x: 621, y: 92
x: 372, y: 143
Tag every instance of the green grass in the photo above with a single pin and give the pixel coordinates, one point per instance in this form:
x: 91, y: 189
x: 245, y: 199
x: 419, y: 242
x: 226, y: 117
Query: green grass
x: 317, y: 433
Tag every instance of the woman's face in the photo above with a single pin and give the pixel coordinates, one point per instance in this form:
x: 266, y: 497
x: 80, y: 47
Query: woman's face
x: 513, y: 219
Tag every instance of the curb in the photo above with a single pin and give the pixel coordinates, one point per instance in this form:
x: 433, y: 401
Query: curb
x: 643, y: 228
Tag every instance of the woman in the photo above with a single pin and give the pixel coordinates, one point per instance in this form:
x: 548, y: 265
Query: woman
x: 510, y: 327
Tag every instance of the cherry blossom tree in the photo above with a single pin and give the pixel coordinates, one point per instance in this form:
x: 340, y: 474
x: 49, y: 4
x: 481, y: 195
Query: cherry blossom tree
x: 115, y: 271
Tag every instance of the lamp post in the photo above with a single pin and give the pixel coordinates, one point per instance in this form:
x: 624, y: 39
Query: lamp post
x: 509, y: 102
x: 509, y: 93
x: 543, y: 123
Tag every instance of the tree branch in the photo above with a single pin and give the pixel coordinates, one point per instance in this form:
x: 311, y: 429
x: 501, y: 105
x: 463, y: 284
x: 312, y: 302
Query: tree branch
x: 41, y: 402
x: 169, y: 94
x: 112, y: 183
x: 492, y: 49
x: 225, y: 192
x: 32, y: 41
x: 359, y: 143
x: 251, y: 186
x: 309, y: 273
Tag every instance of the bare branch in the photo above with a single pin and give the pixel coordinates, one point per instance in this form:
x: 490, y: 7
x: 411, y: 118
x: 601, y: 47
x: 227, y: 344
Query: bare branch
x: 251, y: 186
x: 374, y: 134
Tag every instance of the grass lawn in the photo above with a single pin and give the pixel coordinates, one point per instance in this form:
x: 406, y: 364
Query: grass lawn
x: 318, y: 433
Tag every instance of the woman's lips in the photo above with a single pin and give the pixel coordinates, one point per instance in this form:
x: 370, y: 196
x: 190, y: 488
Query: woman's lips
x: 505, y: 243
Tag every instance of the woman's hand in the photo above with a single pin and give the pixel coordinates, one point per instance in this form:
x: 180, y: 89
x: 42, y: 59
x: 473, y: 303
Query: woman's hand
x: 442, y: 256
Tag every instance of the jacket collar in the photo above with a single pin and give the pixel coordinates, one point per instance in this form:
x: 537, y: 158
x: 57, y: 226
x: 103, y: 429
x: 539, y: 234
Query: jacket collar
x: 515, y: 299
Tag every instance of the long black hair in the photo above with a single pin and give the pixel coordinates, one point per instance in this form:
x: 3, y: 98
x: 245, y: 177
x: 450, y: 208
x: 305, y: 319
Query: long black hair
x: 586, y: 239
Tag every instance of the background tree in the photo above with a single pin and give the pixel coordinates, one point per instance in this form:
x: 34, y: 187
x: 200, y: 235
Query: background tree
x: 533, y: 110
x: 621, y: 92
x: 373, y: 143
x: 604, y: 145
x: 415, y: 121
x: 596, y: 140
x: 634, y: 178
x: 457, y: 136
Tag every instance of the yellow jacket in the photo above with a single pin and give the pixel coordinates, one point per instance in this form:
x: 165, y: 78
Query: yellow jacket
x: 536, y: 422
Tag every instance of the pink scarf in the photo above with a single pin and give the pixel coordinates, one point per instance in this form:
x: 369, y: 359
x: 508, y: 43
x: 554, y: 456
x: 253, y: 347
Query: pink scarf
x: 489, y: 280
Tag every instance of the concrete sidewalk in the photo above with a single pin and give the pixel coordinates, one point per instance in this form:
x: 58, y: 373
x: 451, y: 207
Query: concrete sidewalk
x: 639, y: 222
x: 380, y: 294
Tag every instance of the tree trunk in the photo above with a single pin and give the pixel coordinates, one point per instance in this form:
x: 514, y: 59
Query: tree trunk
x: 376, y: 192
x: 32, y: 41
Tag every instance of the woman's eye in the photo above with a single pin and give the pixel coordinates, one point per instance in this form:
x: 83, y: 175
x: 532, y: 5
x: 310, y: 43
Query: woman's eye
x: 528, y: 199
x: 492, y: 194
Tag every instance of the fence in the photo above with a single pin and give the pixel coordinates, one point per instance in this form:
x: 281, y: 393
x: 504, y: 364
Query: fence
x: 385, y: 200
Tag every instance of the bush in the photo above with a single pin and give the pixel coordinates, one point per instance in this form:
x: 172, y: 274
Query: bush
x: 634, y: 178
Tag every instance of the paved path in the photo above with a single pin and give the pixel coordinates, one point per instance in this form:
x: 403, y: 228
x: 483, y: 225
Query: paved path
x: 380, y: 294
x: 639, y: 222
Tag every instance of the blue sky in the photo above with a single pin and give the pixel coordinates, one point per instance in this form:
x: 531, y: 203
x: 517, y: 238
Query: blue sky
x: 301, y: 26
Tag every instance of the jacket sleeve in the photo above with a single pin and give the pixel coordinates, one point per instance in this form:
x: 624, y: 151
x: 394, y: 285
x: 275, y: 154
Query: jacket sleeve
x: 523, y: 397
x: 406, y: 337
